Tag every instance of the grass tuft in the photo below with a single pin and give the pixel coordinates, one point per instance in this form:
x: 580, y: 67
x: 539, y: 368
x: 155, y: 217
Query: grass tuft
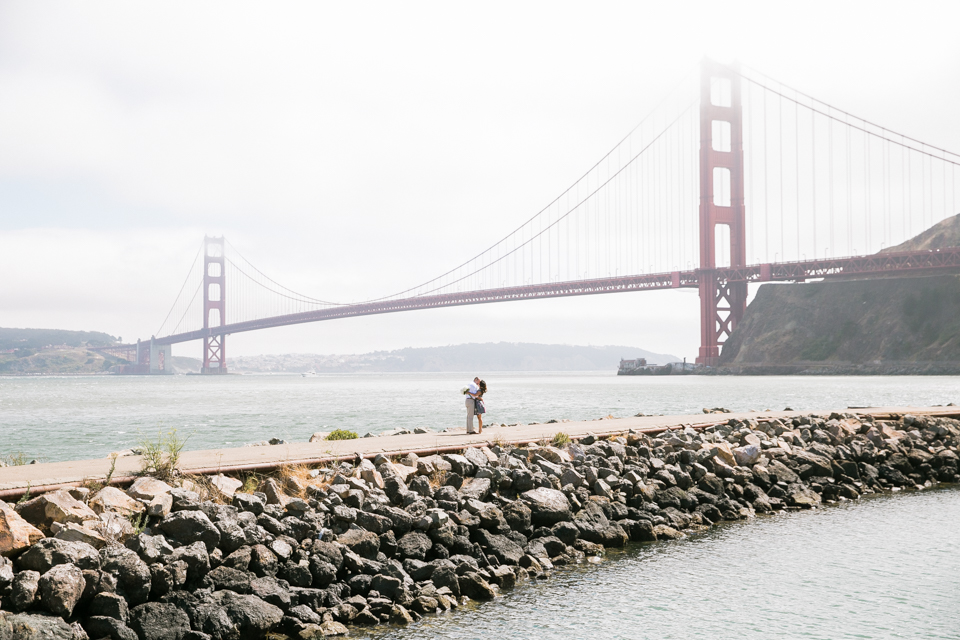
x: 342, y: 434
x: 560, y: 439
x: 161, y: 457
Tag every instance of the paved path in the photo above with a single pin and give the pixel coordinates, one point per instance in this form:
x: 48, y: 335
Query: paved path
x: 41, y: 477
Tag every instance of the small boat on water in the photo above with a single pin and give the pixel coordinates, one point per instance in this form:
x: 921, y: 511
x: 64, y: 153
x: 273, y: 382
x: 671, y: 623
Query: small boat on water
x: 309, y: 374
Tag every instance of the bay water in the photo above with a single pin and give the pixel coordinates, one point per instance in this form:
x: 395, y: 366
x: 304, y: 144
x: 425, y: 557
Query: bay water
x: 72, y: 418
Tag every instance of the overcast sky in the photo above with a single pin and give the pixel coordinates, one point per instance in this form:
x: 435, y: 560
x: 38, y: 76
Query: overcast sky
x: 353, y: 149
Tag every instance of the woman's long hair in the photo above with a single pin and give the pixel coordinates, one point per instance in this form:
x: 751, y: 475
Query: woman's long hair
x: 483, y: 387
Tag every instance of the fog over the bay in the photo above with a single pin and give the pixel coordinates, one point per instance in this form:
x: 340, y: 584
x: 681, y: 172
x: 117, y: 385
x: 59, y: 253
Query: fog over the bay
x: 351, y: 150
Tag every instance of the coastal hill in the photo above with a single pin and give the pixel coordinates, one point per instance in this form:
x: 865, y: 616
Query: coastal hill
x: 888, y: 325
x: 501, y: 356
x: 56, y: 351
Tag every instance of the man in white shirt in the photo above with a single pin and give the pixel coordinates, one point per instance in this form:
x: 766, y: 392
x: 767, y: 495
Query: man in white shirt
x: 472, y: 390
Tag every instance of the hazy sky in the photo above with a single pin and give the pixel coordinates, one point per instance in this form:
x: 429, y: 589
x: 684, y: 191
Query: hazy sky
x: 353, y: 149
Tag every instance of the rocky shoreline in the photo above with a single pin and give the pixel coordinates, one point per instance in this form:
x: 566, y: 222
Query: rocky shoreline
x: 311, y: 552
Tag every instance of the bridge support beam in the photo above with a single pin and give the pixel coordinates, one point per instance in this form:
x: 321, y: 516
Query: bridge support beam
x: 214, y: 306
x: 722, y: 218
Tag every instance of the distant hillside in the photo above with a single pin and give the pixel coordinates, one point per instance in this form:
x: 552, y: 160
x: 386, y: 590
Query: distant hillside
x: 39, y: 338
x: 945, y: 233
x: 900, y: 320
x: 54, y: 362
x: 502, y: 356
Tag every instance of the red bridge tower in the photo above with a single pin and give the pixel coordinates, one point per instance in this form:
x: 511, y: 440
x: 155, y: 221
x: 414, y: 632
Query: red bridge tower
x: 214, y: 305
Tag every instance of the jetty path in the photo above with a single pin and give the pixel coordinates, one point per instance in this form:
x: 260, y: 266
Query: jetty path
x: 14, y: 481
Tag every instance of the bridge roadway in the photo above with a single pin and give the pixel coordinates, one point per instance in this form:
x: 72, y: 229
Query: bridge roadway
x: 14, y: 481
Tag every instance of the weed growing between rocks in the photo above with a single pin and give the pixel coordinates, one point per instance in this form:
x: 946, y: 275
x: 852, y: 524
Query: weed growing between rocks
x: 16, y: 459
x: 161, y: 457
x: 560, y: 439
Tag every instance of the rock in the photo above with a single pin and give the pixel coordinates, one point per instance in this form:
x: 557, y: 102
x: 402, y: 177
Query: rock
x: 414, y: 545
x: 133, y: 575
x: 505, y: 550
x: 185, y: 500
x: 107, y: 627
x: 23, y: 589
x: 271, y: 591
x: 570, y: 476
x: 167, y: 578
x: 722, y: 451
x: 113, y: 500
x: 191, y: 526
x: 23, y: 626
x: 446, y: 576
x: 56, y: 506
x: 459, y: 464
x: 547, y: 506
x: 110, y: 605
x: 147, y: 489
x: 150, y: 548
x: 6, y: 572
x: 50, y: 552
x: 225, y: 486
x: 72, y: 532
x: 748, y: 455
x: 252, y: 616
x: 195, y: 556
x: 474, y: 586
x: 363, y: 543
x: 476, y: 488
x: 799, y: 495
x: 60, y: 589
x: 273, y: 492
x: 247, y: 502
x: 159, y: 621
x: 476, y: 457
x: 664, y: 532
x: 15, y: 532
x: 263, y: 562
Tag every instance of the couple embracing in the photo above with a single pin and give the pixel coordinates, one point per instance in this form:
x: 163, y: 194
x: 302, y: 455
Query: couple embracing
x: 474, y: 402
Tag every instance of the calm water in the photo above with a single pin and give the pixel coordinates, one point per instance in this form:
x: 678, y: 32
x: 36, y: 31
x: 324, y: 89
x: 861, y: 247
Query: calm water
x: 883, y: 568
x: 72, y: 418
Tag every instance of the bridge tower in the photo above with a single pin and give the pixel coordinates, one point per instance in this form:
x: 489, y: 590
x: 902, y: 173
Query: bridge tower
x: 214, y: 305
x: 722, y: 224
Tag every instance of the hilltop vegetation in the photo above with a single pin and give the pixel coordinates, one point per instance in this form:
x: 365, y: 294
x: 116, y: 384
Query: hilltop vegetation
x: 39, y: 338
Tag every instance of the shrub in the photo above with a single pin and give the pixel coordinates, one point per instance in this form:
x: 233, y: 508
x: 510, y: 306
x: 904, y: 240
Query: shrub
x: 560, y: 439
x: 342, y: 434
x: 161, y: 457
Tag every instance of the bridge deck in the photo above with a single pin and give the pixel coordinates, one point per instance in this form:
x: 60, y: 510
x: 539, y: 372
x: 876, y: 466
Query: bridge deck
x: 43, y: 477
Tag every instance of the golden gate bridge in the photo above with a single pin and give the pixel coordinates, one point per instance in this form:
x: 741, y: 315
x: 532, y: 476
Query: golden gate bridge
x: 735, y: 178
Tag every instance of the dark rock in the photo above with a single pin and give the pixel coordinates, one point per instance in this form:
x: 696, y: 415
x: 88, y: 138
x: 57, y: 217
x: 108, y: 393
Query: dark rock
x: 248, y: 502
x: 167, y: 578
x: 474, y: 586
x: 387, y: 586
x: 23, y: 589
x: 184, y: 500
x: 263, y: 562
x: 547, y: 506
x: 150, y: 548
x: 211, y: 618
x: 252, y: 616
x: 363, y: 543
x: 505, y: 550
x: 272, y: 591
x: 414, y: 545
x: 239, y: 559
x: 232, y: 537
x: 305, y: 614
x: 329, y: 552
x: 518, y: 516
x: 446, y: 576
x: 360, y: 584
x: 476, y: 488
x: 191, y: 526
x: 107, y: 627
x: 296, y: 573
x: 567, y: 532
x: 23, y: 626
x: 110, y: 605
x: 133, y: 575
x: 49, y: 552
x: 372, y: 522
x: 60, y: 589
x: 159, y: 621
x: 402, y: 521
x: 232, y: 579
x: 322, y: 571
x: 195, y: 556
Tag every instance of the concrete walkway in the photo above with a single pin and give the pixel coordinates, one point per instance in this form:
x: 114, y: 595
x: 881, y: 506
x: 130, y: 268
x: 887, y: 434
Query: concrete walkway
x: 43, y: 477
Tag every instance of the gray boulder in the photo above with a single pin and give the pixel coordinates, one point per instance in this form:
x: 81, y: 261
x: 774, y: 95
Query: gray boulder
x: 107, y: 627
x: 191, y: 526
x: 132, y: 573
x: 251, y: 616
x: 547, y: 506
x: 159, y: 621
x: 50, y: 552
x: 110, y: 605
x: 414, y: 545
x: 23, y: 590
x: 23, y: 626
x: 501, y: 547
x: 474, y: 586
x: 61, y: 588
